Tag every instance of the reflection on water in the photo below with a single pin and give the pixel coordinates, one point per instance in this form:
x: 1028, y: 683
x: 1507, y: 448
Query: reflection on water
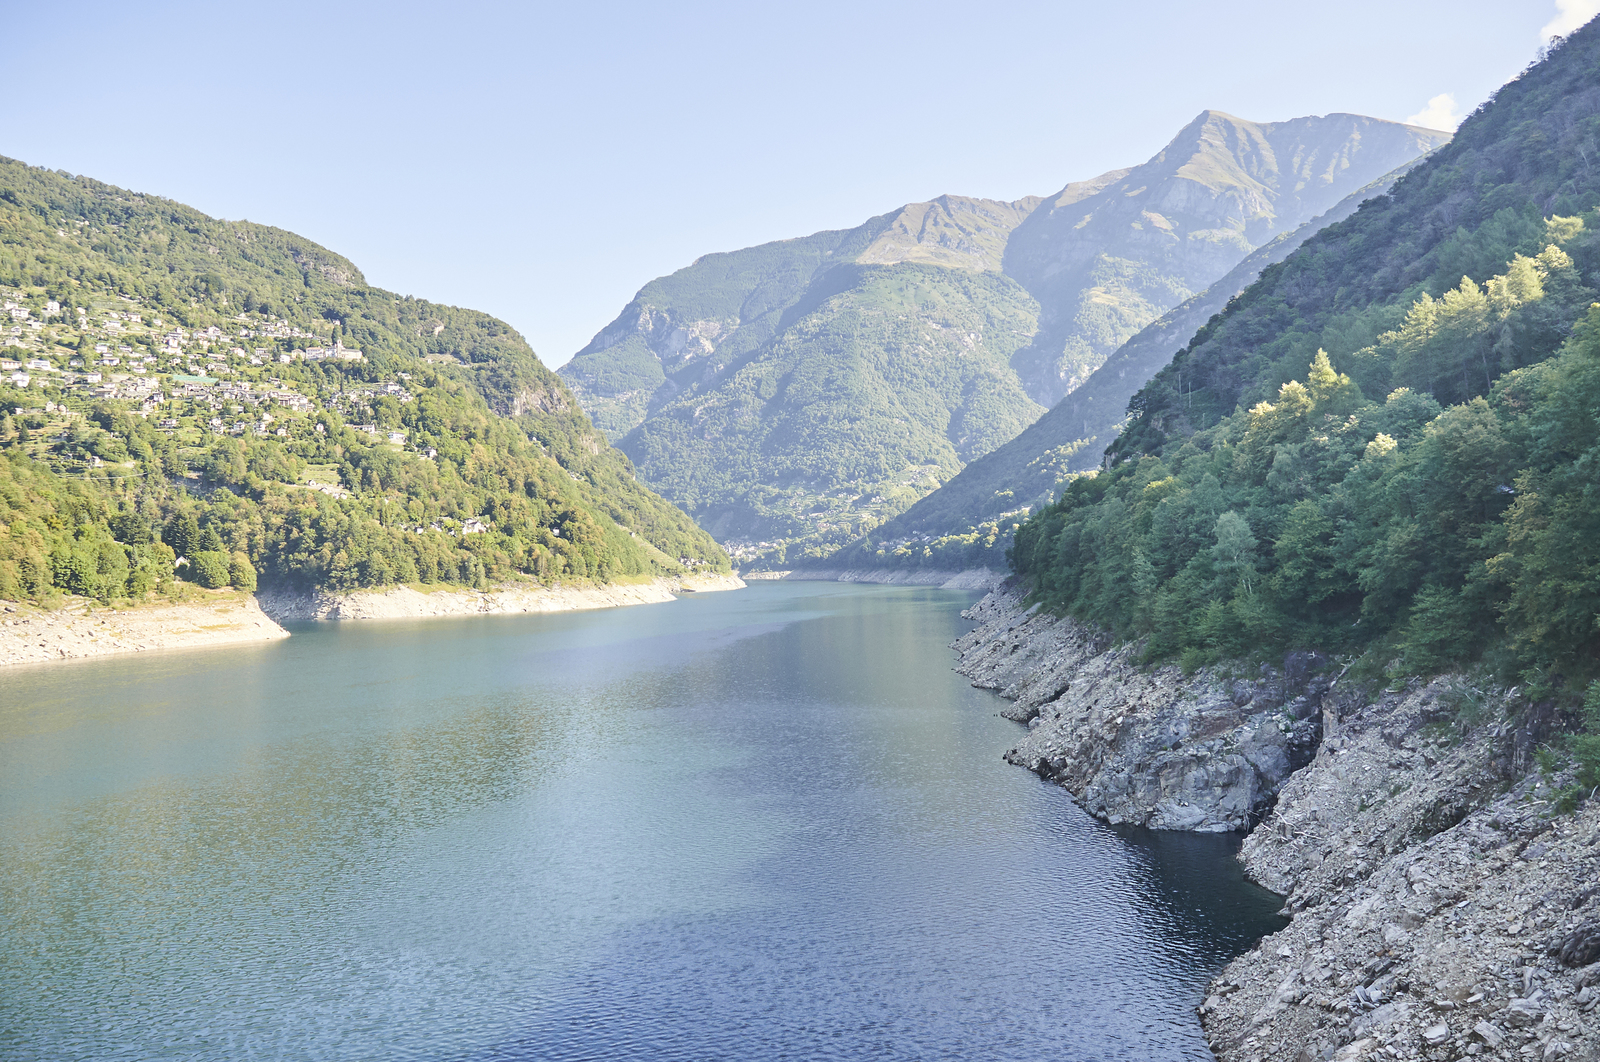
x: 756, y: 825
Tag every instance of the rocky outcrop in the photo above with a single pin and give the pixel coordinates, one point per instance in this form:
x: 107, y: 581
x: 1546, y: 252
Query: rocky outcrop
x: 1147, y: 746
x: 404, y: 602
x: 1442, y: 904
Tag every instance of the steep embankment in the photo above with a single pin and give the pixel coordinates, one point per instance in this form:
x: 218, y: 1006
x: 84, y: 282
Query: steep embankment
x: 80, y: 628
x: 1148, y: 747
x: 794, y: 396
x: 405, y: 602
x: 1442, y: 903
x: 84, y: 628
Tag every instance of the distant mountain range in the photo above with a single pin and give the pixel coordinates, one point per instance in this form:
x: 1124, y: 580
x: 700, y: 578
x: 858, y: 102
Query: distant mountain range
x: 1107, y: 257
x: 947, y: 528
x: 798, y: 395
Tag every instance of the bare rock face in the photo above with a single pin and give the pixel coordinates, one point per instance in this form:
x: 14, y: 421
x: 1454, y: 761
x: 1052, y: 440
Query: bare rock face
x: 1449, y: 948
x: 1440, y: 901
x: 1151, y: 747
x: 1442, y: 906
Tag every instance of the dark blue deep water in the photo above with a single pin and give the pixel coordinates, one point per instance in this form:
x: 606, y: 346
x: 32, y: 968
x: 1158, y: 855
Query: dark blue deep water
x: 767, y: 824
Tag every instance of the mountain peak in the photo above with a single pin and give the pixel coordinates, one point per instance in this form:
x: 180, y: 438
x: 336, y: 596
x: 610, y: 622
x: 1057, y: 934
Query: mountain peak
x: 951, y: 230
x: 1106, y: 263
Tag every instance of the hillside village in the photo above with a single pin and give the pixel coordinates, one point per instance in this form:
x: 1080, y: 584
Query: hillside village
x: 223, y: 381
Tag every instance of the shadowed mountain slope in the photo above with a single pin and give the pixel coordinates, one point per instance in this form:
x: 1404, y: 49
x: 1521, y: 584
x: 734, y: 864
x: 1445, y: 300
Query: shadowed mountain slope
x: 1106, y: 265
x: 947, y: 529
x: 796, y: 395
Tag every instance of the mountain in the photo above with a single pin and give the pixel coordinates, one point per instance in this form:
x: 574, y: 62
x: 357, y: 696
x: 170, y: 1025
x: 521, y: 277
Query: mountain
x: 1103, y: 266
x: 682, y: 331
x: 805, y: 390
x: 175, y: 385
x: 796, y: 395
x: 1384, y: 448
x: 967, y: 523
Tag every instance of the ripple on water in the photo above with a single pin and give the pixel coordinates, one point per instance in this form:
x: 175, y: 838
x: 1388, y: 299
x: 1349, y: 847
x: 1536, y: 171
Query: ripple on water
x: 762, y: 825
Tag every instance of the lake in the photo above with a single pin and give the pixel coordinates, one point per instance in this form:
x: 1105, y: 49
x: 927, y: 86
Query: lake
x: 762, y: 824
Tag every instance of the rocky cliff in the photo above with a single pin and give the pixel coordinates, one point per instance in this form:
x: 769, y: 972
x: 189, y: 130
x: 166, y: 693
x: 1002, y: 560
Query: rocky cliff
x: 1443, y: 904
x: 1149, y: 747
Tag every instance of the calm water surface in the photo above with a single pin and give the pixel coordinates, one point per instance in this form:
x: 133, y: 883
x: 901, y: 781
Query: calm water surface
x: 769, y: 824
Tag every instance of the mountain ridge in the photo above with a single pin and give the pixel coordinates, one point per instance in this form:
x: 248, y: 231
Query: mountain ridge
x: 997, y: 490
x: 921, y: 322
x: 1106, y: 264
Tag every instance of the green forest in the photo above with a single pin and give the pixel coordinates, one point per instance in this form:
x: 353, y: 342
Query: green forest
x: 792, y: 399
x: 1387, y: 448
x: 188, y: 405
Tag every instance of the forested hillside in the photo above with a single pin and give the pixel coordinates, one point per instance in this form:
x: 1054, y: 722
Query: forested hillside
x: 969, y: 522
x: 176, y: 386
x: 1386, y: 447
x: 797, y: 395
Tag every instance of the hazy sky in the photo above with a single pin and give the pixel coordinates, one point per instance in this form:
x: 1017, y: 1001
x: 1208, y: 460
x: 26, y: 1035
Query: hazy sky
x: 543, y: 161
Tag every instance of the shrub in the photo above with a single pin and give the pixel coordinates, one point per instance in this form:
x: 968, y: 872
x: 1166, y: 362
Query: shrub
x: 241, y: 573
x: 209, y: 568
x: 1586, y: 746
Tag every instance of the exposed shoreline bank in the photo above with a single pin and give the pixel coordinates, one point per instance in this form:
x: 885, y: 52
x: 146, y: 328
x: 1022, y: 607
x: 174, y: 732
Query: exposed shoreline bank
x: 404, y: 602
x: 83, y: 628
x: 1441, y: 907
x: 947, y: 579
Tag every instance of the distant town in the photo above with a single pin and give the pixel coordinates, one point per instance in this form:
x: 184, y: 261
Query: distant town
x: 221, y: 380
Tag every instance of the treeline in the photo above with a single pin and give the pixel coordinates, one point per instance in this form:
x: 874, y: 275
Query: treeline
x: 512, y: 452
x: 118, y: 534
x: 1427, y: 535
x: 404, y: 520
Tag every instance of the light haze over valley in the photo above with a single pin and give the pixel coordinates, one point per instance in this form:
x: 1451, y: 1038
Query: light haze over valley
x: 856, y: 531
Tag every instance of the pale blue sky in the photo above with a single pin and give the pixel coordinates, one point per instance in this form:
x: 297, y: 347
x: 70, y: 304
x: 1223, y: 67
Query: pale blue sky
x: 543, y: 161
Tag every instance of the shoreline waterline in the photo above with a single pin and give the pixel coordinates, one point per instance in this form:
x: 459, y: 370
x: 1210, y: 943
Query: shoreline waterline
x: 735, y: 826
x: 85, y: 629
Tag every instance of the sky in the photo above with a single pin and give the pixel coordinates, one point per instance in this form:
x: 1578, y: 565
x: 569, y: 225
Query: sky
x: 543, y: 161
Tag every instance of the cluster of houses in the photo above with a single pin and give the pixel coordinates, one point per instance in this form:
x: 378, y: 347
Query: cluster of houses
x: 22, y: 325
x: 275, y: 329
x: 337, y: 352
x: 195, y: 362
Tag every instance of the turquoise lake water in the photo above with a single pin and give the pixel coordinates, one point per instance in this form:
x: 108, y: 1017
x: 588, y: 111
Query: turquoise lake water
x: 763, y: 824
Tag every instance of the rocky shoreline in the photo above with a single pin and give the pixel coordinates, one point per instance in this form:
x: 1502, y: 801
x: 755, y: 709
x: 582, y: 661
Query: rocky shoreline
x: 85, y: 628
x: 82, y: 628
x: 1153, y: 748
x: 1441, y: 907
x: 947, y: 579
x: 404, y: 602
